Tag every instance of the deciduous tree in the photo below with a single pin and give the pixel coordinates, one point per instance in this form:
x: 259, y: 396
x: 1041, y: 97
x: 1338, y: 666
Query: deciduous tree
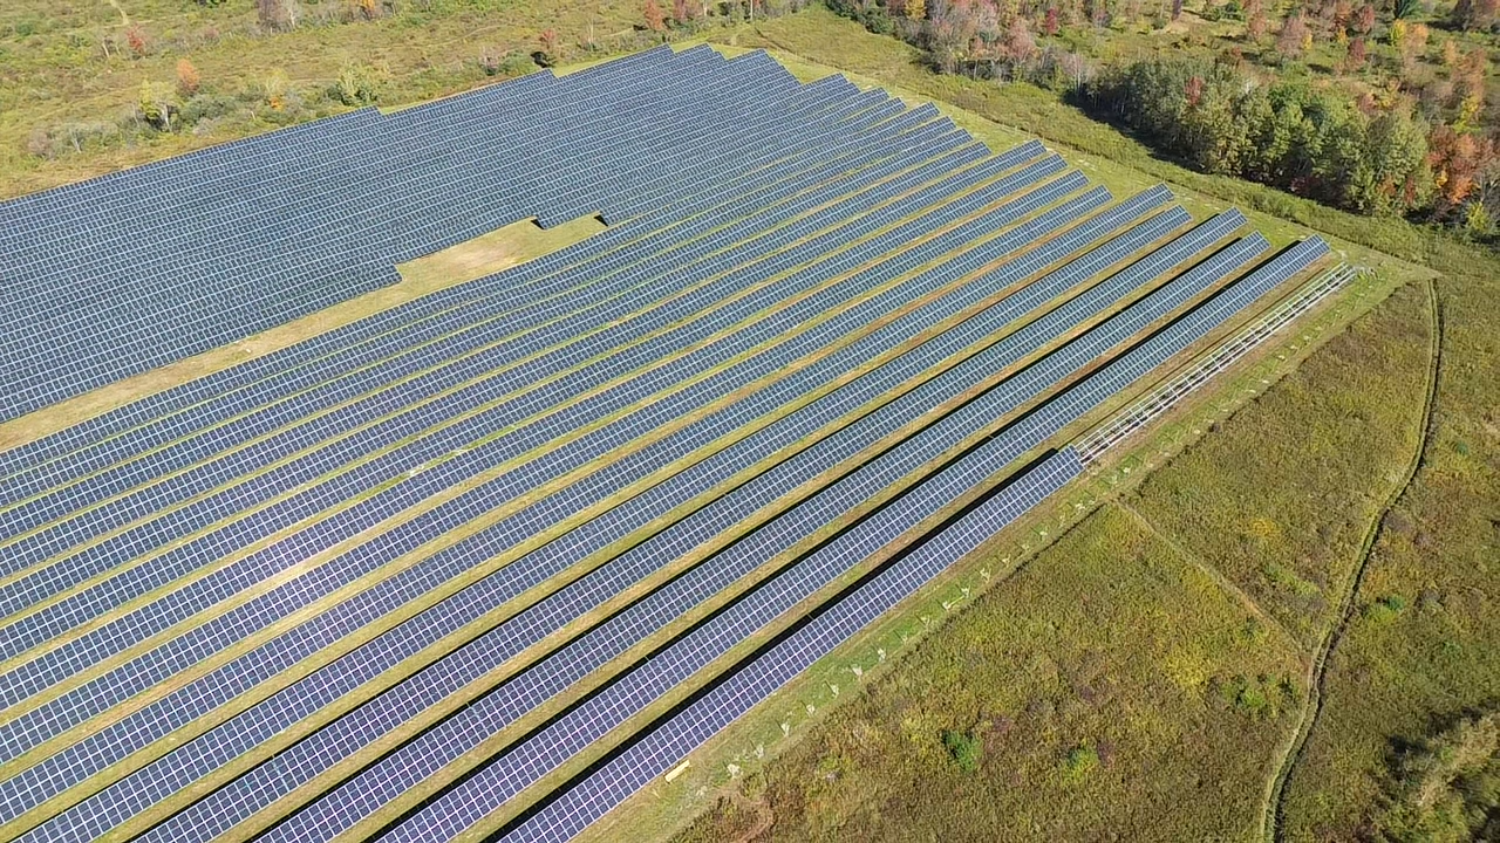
x: 1020, y: 47
x: 1294, y: 33
x: 655, y: 20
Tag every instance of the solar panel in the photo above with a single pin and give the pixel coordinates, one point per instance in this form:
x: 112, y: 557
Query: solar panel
x: 843, y: 311
x: 661, y: 749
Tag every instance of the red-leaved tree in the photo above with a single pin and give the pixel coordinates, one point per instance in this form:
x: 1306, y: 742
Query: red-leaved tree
x: 1052, y: 21
x: 655, y: 20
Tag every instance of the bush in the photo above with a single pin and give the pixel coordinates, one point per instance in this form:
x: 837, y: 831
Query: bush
x: 1447, y: 787
x: 357, y: 85
x: 1081, y: 761
x: 205, y: 106
x: 68, y: 138
x: 505, y: 64
x: 965, y: 747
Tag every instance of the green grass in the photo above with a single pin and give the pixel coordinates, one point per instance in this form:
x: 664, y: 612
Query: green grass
x: 1397, y: 675
x: 1086, y: 680
x: 56, y: 72
x: 1281, y: 506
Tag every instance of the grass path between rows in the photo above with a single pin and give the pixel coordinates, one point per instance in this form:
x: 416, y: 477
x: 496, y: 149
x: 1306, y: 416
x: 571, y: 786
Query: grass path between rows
x: 1273, y: 809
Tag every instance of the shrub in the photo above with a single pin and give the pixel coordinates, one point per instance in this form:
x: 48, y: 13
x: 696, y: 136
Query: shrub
x: 187, y: 78
x: 965, y: 747
x: 135, y: 38
x: 1447, y: 787
x: 504, y: 64
x: 357, y: 85
x: 1385, y: 608
x: 208, y: 107
x: 277, y: 14
x: 1080, y: 762
x: 157, y: 107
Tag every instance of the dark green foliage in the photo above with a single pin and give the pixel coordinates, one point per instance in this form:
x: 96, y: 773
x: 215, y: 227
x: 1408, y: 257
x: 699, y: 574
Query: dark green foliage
x: 1311, y: 142
x: 1081, y: 761
x: 1406, y: 8
x: 873, y: 16
x: 1448, y: 787
x: 965, y: 747
x: 206, y: 106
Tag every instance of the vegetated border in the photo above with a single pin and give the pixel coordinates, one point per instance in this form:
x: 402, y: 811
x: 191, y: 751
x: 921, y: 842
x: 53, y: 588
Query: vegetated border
x: 1274, y: 811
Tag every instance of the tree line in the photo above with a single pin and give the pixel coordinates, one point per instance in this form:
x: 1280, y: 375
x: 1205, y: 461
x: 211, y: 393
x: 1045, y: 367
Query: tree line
x: 1414, y: 143
x: 1362, y: 156
x: 1311, y: 142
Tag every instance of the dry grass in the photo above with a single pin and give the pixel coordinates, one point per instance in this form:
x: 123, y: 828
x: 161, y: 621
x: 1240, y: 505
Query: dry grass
x: 499, y: 249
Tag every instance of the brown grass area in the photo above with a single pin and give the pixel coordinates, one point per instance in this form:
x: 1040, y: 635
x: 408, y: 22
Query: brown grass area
x: 499, y: 249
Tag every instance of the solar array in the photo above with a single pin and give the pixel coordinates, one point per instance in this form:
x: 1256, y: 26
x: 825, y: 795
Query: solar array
x: 408, y: 577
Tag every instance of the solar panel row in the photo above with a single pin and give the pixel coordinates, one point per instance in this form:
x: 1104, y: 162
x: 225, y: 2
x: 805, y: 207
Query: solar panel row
x: 350, y: 673
x: 158, y: 571
x: 585, y: 725
x: 90, y: 697
x: 468, y: 803
x: 373, y: 721
x: 341, y: 394
x: 311, y: 270
x: 654, y: 755
x: 220, y: 386
x: 216, y: 384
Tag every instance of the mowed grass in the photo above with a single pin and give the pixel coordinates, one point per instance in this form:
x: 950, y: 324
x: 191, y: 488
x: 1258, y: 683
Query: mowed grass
x: 500, y: 249
x: 1119, y: 684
